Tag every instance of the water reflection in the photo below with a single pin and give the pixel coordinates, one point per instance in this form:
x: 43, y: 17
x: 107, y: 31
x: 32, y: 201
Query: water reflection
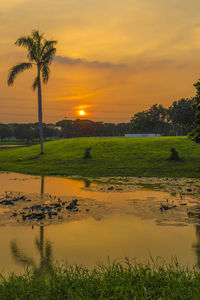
x: 196, y: 246
x: 42, y: 185
x: 45, y: 252
x: 129, y: 230
x: 43, y: 247
x: 87, y: 183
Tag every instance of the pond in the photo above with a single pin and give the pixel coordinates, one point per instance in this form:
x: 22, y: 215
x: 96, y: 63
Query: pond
x: 135, y: 218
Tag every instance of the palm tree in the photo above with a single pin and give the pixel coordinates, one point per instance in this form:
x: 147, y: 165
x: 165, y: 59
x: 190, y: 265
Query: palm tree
x: 40, y: 54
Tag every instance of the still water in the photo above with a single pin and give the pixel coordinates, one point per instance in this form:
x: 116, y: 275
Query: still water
x: 121, y: 232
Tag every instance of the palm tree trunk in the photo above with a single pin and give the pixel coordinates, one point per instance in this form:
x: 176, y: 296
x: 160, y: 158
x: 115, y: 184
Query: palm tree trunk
x: 40, y: 112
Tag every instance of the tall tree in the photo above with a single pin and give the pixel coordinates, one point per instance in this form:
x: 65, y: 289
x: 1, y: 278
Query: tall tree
x: 181, y: 116
x: 195, y: 133
x: 40, y: 53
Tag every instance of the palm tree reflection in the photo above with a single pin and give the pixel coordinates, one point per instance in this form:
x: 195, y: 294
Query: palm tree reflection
x: 45, y: 251
x: 42, y: 185
x: 196, y: 246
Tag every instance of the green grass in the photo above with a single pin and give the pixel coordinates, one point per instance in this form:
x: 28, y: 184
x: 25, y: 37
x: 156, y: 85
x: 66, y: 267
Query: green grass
x: 12, y: 142
x: 17, y: 142
x: 114, y: 281
x: 110, y: 157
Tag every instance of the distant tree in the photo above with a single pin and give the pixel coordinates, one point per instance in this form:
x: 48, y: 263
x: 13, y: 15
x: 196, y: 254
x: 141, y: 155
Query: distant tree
x: 195, y: 133
x: 153, y: 120
x: 181, y: 115
x: 40, y: 54
x: 50, y: 131
x: 80, y: 128
x: 67, y: 129
x: 109, y: 129
x: 24, y: 132
x: 87, y: 128
x: 140, y: 122
x: 99, y: 128
x: 122, y: 128
x: 5, y: 131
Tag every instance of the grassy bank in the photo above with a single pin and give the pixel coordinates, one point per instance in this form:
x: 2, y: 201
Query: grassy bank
x: 17, y: 142
x: 110, y: 157
x: 11, y: 142
x: 106, y: 282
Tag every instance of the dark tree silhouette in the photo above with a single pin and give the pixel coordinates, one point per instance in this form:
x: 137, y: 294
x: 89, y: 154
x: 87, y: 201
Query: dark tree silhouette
x: 181, y: 116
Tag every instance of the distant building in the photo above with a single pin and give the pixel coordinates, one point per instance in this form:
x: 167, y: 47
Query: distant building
x: 142, y: 134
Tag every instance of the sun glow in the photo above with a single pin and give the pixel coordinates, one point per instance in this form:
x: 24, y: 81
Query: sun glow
x: 81, y: 112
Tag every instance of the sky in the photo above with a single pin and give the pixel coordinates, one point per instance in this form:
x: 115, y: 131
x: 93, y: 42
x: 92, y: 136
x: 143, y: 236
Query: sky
x: 114, y: 58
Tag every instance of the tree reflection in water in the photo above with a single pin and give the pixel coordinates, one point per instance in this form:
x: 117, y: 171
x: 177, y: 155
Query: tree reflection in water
x: 44, y: 249
x: 87, y: 183
x: 42, y: 185
x: 196, y: 246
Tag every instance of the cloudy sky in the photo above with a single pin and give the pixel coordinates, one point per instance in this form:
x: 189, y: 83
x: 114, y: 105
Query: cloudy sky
x: 114, y: 58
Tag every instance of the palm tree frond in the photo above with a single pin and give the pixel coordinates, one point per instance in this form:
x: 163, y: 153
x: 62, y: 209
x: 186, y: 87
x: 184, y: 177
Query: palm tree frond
x: 28, y: 43
x: 48, y: 56
x: 45, y: 73
x: 47, y: 45
x: 36, y: 35
x: 38, y: 42
x: 16, y: 70
x: 24, y: 41
x: 35, y: 83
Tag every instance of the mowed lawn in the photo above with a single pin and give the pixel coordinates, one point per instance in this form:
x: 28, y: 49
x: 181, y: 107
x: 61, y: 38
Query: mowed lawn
x: 117, y: 156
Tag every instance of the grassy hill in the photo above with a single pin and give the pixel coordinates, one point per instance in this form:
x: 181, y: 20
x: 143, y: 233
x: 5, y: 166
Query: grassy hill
x: 110, y: 157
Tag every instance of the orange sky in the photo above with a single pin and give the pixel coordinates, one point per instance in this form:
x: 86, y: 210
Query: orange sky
x: 114, y: 58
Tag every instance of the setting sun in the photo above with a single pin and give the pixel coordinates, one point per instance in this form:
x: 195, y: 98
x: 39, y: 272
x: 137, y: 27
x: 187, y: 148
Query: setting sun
x: 81, y: 112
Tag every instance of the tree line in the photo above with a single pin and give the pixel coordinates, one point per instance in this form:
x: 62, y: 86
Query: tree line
x: 28, y: 131
x: 178, y: 119
x: 62, y: 129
